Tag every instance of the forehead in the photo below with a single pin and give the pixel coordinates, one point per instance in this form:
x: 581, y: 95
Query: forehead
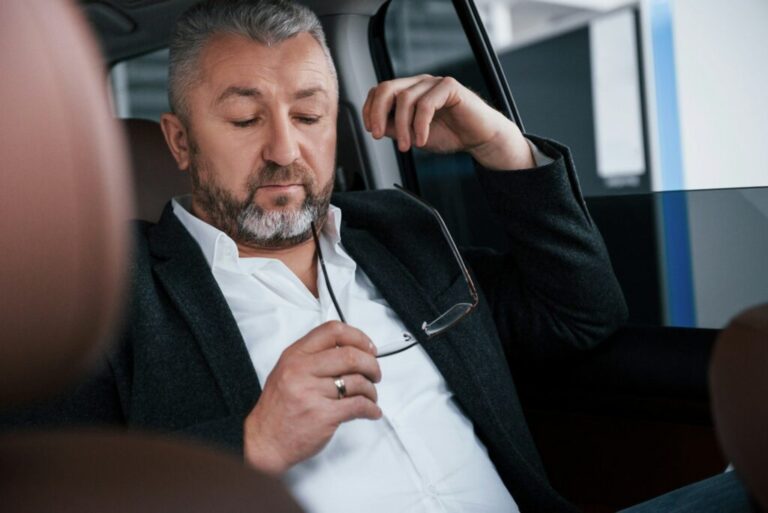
x: 294, y: 64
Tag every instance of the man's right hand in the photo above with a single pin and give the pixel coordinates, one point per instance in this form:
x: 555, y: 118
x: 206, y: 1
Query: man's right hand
x: 299, y: 408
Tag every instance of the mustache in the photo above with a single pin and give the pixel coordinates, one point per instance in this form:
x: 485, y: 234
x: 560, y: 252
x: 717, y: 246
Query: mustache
x: 274, y: 173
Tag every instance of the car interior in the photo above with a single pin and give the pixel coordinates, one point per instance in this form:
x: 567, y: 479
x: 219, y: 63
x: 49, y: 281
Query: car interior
x: 631, y: 420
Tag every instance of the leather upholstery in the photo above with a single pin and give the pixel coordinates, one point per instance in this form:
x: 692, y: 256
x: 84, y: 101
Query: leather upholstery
x: 739, y: 385
x: 94, y: 472
x: 156, y: 177
x: 64, y: 199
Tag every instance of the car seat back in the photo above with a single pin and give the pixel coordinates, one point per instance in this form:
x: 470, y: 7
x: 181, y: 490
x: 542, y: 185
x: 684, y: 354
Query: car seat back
x: 64, y: 199
x: 156, y: 178
x: 739, y: 387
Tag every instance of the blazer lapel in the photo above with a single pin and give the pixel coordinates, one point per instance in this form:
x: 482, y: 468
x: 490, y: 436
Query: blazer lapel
x: 473, y: 366
x: 457, y: 358
x: 181, y: 268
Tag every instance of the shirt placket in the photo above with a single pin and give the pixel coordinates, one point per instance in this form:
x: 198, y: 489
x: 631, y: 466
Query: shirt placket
x: 404, y: 429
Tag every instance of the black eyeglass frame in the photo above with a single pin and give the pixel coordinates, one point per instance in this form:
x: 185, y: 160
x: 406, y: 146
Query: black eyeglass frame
x: 447, y: 319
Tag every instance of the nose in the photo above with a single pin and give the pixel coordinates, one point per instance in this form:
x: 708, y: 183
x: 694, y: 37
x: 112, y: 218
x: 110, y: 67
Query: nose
x: 282, y: 146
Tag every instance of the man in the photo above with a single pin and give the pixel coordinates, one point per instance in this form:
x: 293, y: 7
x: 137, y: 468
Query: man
x: 235, y: 334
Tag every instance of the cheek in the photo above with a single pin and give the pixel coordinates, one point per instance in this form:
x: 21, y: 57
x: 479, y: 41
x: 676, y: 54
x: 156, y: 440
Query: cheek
x: 233, y: 162
x: 323, y: 156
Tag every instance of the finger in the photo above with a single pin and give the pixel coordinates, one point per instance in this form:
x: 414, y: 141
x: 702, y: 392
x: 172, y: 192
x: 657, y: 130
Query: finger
x: 355, y: 384
x: 332, y: 334
x: 384, y: 100
x: 345, y: 360
x: 367, y: 108
x: 381, y: 105
x: 406, y: 102
x: 350, y: 408
x: 435, y: 99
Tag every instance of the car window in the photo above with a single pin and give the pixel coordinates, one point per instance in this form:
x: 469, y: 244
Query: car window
x: 580, y: 85
x: 575, y: 81
x: 605, y: 79
x: 427, y: 37
x: 628, y: 92
x: 139, y: 86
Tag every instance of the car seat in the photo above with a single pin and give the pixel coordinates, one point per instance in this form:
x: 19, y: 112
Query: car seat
x: 156, y: 178
x: 65, y: 198
x: 739, y: 386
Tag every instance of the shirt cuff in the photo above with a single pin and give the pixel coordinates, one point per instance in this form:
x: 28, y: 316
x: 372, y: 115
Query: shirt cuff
x: 539, y: 157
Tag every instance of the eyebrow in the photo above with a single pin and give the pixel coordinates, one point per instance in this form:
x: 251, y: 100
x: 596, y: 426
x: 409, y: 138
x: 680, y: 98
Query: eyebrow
x: 309, y: 92
x: 251, y: 92
x: 244, y: 92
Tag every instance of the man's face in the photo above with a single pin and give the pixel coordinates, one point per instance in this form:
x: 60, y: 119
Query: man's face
x: 262, y: 137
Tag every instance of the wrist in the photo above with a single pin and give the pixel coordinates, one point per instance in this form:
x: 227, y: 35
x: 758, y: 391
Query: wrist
x: 262, y: 456
x: 506, y: 150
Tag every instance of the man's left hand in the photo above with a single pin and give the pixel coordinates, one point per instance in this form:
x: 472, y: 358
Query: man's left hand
x: 439, y: 114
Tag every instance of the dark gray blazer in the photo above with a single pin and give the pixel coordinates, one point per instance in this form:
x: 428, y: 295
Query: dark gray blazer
x: 182, y: 365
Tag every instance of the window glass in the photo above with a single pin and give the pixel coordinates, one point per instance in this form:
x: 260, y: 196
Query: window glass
x: 644, y: 94
x: 582, y: 73
x: 645, y: 115
x: 426, y: 36
x: 139, y: 86
x: 575, y: 75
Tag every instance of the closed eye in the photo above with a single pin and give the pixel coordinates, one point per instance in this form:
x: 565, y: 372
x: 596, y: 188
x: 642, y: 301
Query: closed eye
x: 308, y: 120
x: 245, y: 123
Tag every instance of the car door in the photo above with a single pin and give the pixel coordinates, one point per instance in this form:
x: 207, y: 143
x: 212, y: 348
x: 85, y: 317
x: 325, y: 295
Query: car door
x: 631, y: 420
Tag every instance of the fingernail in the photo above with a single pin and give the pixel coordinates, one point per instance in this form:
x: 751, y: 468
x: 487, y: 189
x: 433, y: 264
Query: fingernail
x: 373, y: 348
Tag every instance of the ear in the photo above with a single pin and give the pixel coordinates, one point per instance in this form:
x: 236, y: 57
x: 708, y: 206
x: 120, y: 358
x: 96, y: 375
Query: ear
x: 177, y: 138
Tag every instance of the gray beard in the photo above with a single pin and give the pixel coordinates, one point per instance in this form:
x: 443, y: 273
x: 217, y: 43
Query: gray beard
x: 278, y: 228
x: 251, y: 225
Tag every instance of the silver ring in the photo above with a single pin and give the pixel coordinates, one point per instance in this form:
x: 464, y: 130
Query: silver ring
x: 341, y: 387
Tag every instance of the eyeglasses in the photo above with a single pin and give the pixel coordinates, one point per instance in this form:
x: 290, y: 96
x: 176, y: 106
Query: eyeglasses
x: 446, y: 320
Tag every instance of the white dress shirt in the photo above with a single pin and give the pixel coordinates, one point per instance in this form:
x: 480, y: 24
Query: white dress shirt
x: 422, y: 455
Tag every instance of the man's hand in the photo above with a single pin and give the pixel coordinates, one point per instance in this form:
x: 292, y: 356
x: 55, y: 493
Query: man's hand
x: 299, y: 408
x: 439, y: 114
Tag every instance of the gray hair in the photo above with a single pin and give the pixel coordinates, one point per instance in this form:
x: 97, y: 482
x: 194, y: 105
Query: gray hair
x: 265, y: 21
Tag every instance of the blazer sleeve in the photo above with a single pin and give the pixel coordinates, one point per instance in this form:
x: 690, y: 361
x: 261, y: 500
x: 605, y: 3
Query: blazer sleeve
x: 97, y: 401
x: 224, y: 434
x: 554, y: 291
x: 92, y: 402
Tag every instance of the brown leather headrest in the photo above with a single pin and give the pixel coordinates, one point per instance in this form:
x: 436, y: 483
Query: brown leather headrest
x: 129, y: 473
x: 65, y: 196
x: 157, y: 179
x: 739, y: 386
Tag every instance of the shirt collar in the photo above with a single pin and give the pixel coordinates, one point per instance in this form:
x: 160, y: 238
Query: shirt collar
x: 206, y: 236
x: 221, y: 251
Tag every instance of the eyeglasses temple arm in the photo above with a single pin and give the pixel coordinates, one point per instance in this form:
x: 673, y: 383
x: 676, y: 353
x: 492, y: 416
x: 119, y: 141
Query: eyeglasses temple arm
x: 451, y: 243
x: 325, y: 274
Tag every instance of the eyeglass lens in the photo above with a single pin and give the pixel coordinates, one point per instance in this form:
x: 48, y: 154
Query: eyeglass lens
x: 448, y: 319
